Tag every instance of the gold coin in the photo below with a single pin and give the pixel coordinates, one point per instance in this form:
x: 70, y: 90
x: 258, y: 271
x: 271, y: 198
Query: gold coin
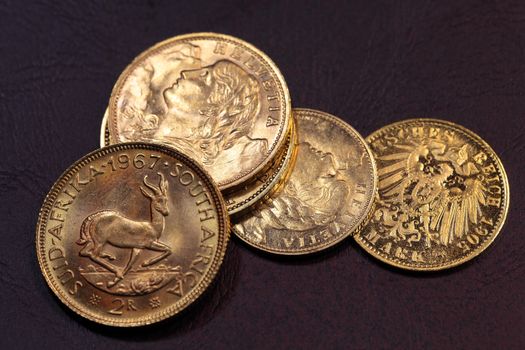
x: 216, y: 98
x: 262, y: 185
x: 327, y: 197
x: 443, y: 195
x: 131, y: 234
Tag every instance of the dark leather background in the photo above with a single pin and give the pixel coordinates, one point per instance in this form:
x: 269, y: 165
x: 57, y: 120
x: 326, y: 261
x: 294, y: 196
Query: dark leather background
x: 369, y: 62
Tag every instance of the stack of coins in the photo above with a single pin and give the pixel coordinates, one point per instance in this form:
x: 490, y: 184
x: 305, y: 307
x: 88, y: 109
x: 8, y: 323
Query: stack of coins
x: 200, y: 130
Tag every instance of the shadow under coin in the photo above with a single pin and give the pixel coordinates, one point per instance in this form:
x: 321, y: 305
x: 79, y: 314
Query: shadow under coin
x: 409, y: 273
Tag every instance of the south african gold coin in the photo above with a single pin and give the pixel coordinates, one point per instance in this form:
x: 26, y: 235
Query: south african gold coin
x: 244, y: 196
x: 327, y: 197
x: 131, y: 234
x: 443, y: 195
x: 215, y: 97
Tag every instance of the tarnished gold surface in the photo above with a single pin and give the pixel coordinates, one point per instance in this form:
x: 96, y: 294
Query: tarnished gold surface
x: 328, y: 196
x: 443, y: 195
x: 244, y: 196
x: 215, y: 97
x: 131, y: 234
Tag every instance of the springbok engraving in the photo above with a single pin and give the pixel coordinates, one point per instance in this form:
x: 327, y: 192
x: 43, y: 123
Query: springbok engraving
x: 109, y: 227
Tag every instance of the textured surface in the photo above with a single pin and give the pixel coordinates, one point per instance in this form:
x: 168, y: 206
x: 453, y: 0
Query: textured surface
x: 370, y: 62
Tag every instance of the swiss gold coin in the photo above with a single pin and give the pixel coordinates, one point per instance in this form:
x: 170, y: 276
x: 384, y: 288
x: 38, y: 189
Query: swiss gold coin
x: 131, y: 234
x: 217, y: 98
x: 245, y: 196
x: 443, y: 195
x: 327, y: 197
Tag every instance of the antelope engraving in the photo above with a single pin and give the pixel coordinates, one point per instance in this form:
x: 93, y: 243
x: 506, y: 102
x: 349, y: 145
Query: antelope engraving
x: 111, y: 227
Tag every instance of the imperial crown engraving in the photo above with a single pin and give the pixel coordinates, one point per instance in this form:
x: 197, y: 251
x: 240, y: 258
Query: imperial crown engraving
x: 109, y: 227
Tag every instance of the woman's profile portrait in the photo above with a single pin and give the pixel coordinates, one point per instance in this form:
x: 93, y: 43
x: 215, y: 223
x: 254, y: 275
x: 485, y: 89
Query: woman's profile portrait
x: 208, y: 112
x: 313, y: 197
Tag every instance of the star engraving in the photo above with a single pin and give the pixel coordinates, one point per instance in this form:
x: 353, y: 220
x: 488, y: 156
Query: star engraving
x: 94, y: 299
x: 154, y: 302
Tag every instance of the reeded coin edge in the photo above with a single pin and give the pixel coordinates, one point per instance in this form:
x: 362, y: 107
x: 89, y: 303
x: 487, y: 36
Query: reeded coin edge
x: 268, y: 63
x: 223, y: 232
x: 360, y: 223
x: 104, y: 130
x: 273, y: 180
x: 502, y: 216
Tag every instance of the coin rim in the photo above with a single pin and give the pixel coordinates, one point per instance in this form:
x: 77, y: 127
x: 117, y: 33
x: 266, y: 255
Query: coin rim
x: 178, y: 306
x: 272, y: 67
x: 267, y: 186
x: 506, y: 200
x: 371, y: 202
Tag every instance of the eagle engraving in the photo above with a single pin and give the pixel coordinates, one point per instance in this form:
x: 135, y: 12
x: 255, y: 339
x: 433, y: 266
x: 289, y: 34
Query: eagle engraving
x: 436, y: 184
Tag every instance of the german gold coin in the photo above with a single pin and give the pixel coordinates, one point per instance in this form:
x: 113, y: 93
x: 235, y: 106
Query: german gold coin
x: 240, y: 199
x: 131, y: 234
x: 327, y: 197
x: 443, y: 195
x: 216, y: 98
